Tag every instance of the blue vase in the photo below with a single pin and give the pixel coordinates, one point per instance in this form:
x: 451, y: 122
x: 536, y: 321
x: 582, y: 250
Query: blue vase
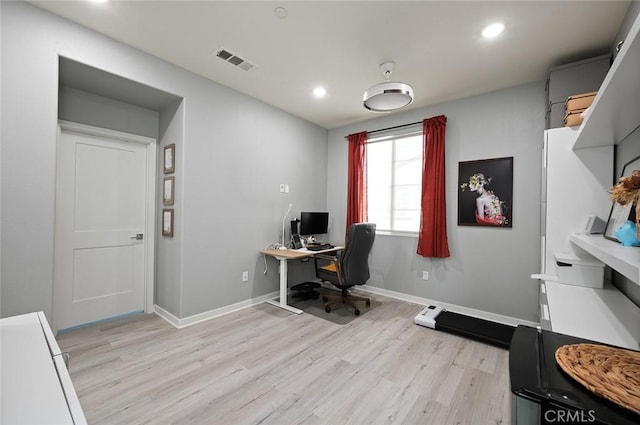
x: 627, y: 234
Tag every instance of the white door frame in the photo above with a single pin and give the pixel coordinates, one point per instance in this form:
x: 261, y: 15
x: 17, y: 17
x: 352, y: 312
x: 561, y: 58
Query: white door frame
x: 149, y: 231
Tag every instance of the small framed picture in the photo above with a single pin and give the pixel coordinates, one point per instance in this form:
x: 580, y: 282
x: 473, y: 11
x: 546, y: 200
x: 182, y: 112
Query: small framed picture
x: 621, y: 213
x: 169, y: 158
x: 617, y: 217
x: 168, y: 190
x: 167, y: 222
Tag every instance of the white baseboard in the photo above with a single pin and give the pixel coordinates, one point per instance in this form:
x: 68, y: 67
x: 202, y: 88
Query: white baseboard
x: 211, y: 314
x: 507, y: 320
x: 201, y: 317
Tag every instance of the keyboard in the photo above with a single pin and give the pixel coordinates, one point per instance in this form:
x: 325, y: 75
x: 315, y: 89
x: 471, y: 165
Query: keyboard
x: 319, y: 247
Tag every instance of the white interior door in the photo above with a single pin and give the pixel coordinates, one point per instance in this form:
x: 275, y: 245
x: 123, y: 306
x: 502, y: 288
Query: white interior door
x: 101, y: 226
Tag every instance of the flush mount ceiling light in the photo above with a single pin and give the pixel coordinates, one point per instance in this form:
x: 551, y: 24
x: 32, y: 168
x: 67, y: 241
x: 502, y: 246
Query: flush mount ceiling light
x: 388, y: 95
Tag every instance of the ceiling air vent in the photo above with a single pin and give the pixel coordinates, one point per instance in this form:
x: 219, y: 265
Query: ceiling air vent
x: 231, y: 58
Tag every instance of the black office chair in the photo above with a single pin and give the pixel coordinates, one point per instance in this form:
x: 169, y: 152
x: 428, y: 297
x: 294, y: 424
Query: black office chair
x: 348, y: 268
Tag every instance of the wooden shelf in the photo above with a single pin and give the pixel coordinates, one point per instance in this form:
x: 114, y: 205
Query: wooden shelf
x: 624, y: 259
x: 615, y: 113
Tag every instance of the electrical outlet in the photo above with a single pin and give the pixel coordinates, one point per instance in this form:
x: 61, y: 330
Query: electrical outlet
x: 286, y: 188
x: 425, y: 275
x: 245, y: 276
x: 281, y: 187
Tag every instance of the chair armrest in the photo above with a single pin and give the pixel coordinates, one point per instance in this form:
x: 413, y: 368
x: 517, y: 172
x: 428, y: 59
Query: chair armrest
x: 324, y: 258
x: 331, y: 258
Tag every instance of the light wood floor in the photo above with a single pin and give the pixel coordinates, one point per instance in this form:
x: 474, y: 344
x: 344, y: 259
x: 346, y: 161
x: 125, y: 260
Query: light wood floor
x: 263, y: 365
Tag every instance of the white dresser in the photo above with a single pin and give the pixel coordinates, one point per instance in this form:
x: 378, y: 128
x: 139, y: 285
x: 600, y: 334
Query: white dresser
x: 35, y: 385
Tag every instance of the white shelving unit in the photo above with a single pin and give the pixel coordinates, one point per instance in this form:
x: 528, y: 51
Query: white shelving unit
x: 624, y: 259
x: 603, y: 315
x: 615, y: 113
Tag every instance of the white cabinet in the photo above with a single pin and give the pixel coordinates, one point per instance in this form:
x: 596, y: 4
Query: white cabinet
x: 576, y: 186
x: 35, y: 385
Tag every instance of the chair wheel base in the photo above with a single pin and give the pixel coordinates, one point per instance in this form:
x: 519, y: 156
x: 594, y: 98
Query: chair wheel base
x: 346, y: 300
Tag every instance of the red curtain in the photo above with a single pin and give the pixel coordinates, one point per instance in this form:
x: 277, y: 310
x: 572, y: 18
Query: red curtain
x: 357, y: 179
x: 432, y: 240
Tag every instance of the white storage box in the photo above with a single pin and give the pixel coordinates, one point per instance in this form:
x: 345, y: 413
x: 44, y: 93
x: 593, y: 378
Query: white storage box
x: 579, y: 271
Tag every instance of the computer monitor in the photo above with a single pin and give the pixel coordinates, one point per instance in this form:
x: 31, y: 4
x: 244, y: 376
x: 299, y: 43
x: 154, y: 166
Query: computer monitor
x: 314, y: 223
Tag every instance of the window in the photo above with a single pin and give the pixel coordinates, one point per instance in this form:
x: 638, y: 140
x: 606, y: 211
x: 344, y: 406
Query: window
x: 394, y: 182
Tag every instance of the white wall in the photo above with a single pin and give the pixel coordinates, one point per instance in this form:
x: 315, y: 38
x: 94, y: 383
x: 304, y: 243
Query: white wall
x: 489, y: 268
x: 626, y: 151
x: 234, y: 151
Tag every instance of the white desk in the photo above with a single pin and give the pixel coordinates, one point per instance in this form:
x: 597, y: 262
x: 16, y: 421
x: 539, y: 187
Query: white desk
x: 604, y: 315
x: 35, y: 384
x: 284, y: 255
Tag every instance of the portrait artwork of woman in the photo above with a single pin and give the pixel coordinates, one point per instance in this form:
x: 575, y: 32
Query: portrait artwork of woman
x: 484, y: 199
x: 488, y: 205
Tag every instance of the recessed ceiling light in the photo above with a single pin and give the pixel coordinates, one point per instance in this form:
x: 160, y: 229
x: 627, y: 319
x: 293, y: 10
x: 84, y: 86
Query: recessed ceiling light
x: 319, y: 92
x: 492, y: 30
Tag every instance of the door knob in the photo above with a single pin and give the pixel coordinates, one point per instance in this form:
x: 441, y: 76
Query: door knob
x: 138, y: 237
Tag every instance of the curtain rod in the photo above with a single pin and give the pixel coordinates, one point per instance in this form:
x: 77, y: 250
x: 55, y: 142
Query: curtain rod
x: 391, y: 128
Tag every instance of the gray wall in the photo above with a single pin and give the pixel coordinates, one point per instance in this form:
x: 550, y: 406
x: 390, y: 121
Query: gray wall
x: 489, y: 269
x: 233, y: 152
x: 169, y: 253
x: 90, y: 109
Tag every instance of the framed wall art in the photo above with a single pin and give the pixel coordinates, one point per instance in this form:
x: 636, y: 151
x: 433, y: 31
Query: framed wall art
x: 485, y: 192
x: 620, y: 213
x: 169, y: 158
x: 168, y: 190
x: 167, y: 222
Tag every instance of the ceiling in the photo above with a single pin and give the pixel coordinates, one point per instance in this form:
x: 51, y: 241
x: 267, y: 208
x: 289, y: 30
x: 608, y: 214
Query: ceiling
x: 436, y: 45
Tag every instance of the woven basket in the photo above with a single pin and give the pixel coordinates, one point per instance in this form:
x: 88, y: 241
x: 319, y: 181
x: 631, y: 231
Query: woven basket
x: 612, y: 373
